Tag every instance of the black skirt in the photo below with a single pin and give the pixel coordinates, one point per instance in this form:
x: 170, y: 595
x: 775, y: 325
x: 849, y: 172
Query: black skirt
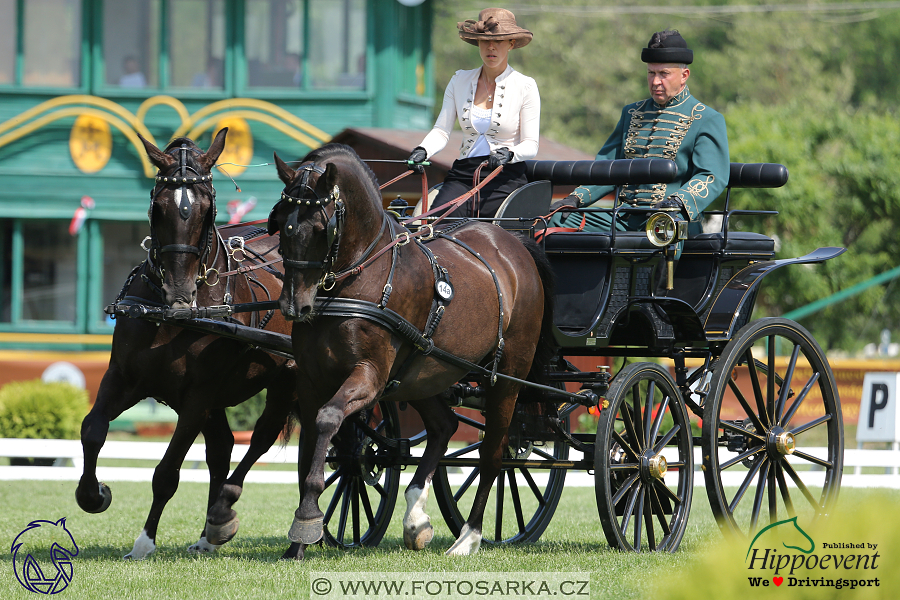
x: 460, y: 180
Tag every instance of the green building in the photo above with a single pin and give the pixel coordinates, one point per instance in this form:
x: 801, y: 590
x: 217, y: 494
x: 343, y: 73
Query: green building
x: 79, y: 79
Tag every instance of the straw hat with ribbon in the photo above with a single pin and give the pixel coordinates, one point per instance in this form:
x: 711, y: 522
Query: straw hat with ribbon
x: 494, y: 24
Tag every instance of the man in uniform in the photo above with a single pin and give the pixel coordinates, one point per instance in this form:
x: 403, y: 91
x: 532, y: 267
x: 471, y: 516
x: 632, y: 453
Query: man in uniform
x: 671, y: 124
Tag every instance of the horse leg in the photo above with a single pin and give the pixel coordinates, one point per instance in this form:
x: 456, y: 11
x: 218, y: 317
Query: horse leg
x: 496, y: 425
x: 357, y: 392
x: 221, y: 520
x: 307, y: 447
x: 166, y: 477
x: 440, y: 423
x: 94, y: 496
x: 219, y: 444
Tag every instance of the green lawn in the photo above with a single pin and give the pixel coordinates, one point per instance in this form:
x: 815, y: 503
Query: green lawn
x: 249, y: 567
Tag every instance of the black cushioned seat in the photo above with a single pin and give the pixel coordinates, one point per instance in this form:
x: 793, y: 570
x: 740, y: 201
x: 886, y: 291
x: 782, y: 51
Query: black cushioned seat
x: 592, y: 241
x: 738, y: 242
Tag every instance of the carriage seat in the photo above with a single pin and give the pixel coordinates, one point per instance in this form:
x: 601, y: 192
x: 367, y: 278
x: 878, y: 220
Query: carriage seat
x: 594, y: 241
x: 736, y: 242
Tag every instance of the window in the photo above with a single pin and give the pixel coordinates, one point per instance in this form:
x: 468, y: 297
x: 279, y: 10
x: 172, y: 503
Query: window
x: 7, y: 41
x: 49, y: 271
x: 6, y: 238
x: 51, y: 42
x: 194, y: 38
x: 121, y: 253
x: 311, y: 44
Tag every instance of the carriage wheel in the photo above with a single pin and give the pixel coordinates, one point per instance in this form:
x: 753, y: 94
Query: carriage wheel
x: 523, y: 498
x: 779, y: 436
x: 643, y: 461
x: 360, y: 493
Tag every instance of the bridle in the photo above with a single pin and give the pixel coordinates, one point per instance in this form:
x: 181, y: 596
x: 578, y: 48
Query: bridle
x: 181, y: 176
x: 334, y: 225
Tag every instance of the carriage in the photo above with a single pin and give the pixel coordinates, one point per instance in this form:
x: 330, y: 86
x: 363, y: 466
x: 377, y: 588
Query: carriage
x: 676, y: 310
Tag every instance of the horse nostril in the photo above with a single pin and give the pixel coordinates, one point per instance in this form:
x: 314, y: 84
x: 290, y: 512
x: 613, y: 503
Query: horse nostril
x: 305, y: 310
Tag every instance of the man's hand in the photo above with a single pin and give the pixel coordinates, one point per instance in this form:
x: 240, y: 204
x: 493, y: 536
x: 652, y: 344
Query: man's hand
x: 673, y: 201
x: 418, y: 155
x: 498, y: 157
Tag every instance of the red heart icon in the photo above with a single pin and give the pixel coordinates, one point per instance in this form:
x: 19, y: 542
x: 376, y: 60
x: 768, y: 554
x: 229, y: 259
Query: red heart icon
x: 778, y: 580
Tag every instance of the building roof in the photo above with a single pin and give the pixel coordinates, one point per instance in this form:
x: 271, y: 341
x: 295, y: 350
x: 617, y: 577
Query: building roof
x: 396, y: 144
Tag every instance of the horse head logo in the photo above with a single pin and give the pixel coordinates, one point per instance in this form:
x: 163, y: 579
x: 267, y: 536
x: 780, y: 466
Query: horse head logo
x: 787, y: 531
x: 43, y: 543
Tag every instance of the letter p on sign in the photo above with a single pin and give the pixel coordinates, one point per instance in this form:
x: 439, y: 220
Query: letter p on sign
x: 878, y: 412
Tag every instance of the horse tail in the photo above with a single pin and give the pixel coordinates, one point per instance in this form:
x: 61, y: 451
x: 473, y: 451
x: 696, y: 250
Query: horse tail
x: 546, y: 349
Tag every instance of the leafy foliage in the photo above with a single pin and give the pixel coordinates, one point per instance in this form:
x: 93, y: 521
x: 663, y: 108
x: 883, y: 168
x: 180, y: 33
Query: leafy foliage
x: 37, y: 410
x: 243, y: 416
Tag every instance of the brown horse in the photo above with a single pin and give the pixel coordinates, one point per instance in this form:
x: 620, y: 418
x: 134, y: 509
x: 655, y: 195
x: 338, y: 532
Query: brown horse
x: 477, y: 292
x: 197, y: 375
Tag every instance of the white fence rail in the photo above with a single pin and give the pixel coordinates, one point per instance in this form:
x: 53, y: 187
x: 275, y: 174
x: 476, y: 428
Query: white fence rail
x: 69, y: 464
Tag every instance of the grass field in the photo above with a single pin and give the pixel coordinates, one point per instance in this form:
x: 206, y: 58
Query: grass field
x: 249, y: 566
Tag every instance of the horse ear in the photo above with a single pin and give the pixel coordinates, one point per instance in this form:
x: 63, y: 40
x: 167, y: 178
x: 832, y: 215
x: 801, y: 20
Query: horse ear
x: 327, y: 181
x: 285, y: 173
x: 215, y: 149
x: 160, y: 159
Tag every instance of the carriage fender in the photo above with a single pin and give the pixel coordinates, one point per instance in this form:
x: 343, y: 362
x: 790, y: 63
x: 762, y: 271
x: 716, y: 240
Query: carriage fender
x: 741, y: 289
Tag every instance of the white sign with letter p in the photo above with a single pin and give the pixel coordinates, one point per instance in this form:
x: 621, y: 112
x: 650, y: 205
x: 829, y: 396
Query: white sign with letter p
x: 878, y: 414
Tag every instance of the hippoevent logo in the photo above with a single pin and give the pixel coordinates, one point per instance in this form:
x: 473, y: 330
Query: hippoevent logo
x: 42, y: 556
x: 783, y: 554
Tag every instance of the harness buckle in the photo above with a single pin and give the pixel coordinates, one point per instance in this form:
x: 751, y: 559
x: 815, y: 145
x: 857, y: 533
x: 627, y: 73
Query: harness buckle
x: 430, y: 229
x: 328, y: 281
x: 405, y: 237
x: 235, y: 245
x: 205, y: 277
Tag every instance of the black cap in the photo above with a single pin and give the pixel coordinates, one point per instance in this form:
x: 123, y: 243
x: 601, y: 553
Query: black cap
x: 667, y: 47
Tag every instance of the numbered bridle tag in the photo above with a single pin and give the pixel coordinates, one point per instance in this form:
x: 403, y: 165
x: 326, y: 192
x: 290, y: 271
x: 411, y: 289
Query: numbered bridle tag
x: 444, y: 289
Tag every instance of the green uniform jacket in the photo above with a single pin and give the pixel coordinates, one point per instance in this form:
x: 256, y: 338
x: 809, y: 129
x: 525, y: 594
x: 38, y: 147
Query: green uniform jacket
x: 686, y: 131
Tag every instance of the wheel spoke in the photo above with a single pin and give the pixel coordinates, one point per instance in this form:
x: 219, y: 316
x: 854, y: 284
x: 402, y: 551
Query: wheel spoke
x: 664, y: 441
x: 760, y: 492
x: 657, y: 423
x: 786, y: 384
x: 468, y: 482
x: 630, y: 430
x: 757, y: 390
x: 637, y: 415
x: 661, y: 486
x: 637, y: 519
x: 648, y: 412
x: 799, y: 400
x: 331, y: 478
x: 624, y: 488
x: 648, y: 520
x: 345, y: 507
x: 381, y: 491
x: 785, y: 492
x: 543, y: 454
x: 754, y: 418
x: 746, y: 484
x: 770, y: 380
x: 367, y: 507
x: 470, y: 421
x: 810, y: 425
x: 799, y: 483
x: 517, y: 503
x: 621, y: 441
x: 538, y: 494
x: 354, y: 507
x: 466, y: 450
x: 813, y: 459
x: 740, y: 458
x: 338, y: 492
x: 658, y: 510
x: 629, y: 508
x: 773, y: 499
x: 624, y: 467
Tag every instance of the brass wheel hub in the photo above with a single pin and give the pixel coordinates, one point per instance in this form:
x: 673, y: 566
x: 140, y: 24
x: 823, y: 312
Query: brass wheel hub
x: 785, y: 443
x: 658, y: 466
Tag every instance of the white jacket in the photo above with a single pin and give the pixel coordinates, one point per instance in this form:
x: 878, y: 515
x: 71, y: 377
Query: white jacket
x: 515, y: 116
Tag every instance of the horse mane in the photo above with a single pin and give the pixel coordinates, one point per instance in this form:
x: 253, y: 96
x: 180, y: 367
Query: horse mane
x: 332, y: 150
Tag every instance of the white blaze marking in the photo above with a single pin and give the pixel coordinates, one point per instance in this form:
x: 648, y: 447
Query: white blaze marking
x: 190, y: 196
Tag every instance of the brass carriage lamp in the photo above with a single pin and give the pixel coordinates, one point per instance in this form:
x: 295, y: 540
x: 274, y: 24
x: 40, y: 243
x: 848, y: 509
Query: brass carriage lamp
x: 664, y: 230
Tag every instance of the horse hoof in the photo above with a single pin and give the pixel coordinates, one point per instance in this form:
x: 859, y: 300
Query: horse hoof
x: 306, y: 531
x: 418, y: 538
x: 221, y: 534
x: 468, y: 543
x: 202, y: 546
x: 294, y: 552
x: 105, y: 500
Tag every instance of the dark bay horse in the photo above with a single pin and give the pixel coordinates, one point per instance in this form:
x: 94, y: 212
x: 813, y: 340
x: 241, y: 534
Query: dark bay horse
x: 475, y: 290
x: 197, y: 375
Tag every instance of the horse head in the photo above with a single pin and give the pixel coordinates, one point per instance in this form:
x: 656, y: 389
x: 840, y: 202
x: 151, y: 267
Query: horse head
x: 182, y: 216
x: 326, y: 214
